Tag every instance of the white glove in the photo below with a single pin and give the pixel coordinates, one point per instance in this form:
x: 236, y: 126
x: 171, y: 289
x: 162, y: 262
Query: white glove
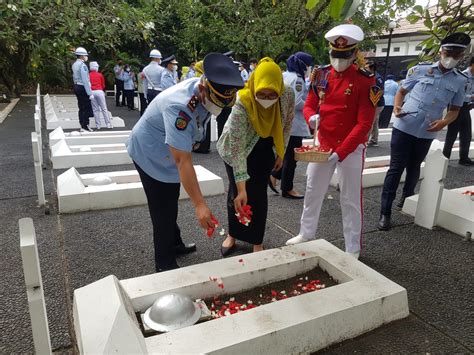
x: 313, y: 120
x: 91, y: 97
x: 333, y: 158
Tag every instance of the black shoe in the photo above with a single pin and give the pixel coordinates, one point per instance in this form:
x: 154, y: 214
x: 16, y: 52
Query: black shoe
x: 373, y: 144
x: 466, y: 162
x: 294, y: 197
x: 270, y: 185
x: 171, y: 267
x: 185, y: 248
x: 225, y: 251
x: 401, y: 202
x: 384, y: 223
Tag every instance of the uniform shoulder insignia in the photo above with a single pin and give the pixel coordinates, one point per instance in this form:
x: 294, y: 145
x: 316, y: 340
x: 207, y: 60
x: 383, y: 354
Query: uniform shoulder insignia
x: 366, y: 73
x: 84, y: 68
x: 192, y: 104
x: 375, y: 94
x: 457, y: 71
x: 318, y: 72
x: 182, y: 121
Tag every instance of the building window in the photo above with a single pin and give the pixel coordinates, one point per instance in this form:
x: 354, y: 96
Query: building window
x: 384, y: 50
x: 418, y: 48
x: 396, y: 49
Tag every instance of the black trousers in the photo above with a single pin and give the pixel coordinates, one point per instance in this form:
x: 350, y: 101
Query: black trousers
x: 143, y: 103
x: 163, y: 206
x: 385, y: 116
x: 119, y: 91
x: 129, y: 94
x: 407, y: 152
x: 461, y: 125
x: 151, y: 94
x: 259, y: 166
x: 84, y: 104
x: 222, y: 119
x: 287, y: 173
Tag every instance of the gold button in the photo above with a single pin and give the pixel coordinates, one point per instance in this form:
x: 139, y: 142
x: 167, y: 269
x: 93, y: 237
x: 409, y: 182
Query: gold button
x: 345, y: 106
x: 338, y: 141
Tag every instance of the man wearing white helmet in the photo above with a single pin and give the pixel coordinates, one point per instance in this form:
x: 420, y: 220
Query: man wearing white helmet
x: 152, y: 76
x: 342, y: 100
x: 82, y: 88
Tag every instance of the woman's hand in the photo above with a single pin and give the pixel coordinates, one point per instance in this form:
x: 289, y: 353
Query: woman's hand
x: 241, y: 199
x: 278, y: 164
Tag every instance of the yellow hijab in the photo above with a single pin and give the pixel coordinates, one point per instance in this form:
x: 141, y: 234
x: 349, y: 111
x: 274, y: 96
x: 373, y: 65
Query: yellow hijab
x: 266, y: 122
x: 198, y: 69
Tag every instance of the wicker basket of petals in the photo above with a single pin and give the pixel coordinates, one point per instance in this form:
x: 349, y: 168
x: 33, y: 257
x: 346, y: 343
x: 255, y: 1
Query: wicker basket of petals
x: 313, y: 154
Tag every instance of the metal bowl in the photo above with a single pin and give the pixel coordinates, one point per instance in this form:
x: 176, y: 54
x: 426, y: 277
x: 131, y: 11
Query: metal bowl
x: 170, y: 312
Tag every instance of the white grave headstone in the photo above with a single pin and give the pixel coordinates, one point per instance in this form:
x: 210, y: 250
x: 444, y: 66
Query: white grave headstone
x: 38, y: 168
x: 431, y: 189
x: 34, y: 286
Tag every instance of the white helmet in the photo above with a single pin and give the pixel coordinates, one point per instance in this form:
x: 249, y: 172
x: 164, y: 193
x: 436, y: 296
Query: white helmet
x: 155, y: 53
x: 80, y: 51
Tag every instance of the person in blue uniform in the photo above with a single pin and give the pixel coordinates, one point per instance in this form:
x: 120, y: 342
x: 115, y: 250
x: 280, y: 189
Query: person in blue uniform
x: 129, y: 86
x: 297, y: 65
x: 169, y: 75
x: 82, y: 88
x: 432, y: 88
x: 152, y: 76
x: 463, y: 124
x: 160, y: 145
x: 119, y: 88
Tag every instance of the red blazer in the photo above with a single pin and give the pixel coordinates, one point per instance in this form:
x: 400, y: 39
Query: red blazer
x: 346, y: 111
x: 97, y: 80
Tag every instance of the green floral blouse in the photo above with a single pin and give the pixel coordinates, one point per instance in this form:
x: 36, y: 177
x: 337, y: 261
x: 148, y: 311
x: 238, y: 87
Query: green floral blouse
x: 239, y: 137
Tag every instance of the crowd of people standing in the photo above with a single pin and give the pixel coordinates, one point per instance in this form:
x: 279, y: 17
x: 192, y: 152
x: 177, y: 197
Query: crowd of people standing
x: 262, y: 116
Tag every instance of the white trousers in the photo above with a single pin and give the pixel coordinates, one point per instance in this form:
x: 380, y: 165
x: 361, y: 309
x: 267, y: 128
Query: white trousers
x: 350, y: 183
x: 99, y: 106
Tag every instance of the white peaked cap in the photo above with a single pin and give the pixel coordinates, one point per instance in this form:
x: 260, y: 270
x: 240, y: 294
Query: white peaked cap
x: 352, y: 33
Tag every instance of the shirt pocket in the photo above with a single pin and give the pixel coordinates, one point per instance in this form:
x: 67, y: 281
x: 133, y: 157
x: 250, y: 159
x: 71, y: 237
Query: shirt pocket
x: 427, y: 84
x: 448, y: 94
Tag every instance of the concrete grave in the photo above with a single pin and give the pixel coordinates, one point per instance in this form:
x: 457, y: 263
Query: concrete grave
x: 105, y: 319
x: 375, y: 169
x: 456, y: 210
x: 64, y: 156
x: 88, y: 138
x: 116, y: 189
x: 431, y: 189
x: 34, y: 286
x: 36, y: 146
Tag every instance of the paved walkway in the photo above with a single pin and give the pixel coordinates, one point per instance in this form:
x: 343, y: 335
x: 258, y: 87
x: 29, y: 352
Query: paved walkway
x: 75, y: 250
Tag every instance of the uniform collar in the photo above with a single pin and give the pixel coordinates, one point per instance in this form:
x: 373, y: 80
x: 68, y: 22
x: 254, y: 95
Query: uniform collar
x: 436, y: 65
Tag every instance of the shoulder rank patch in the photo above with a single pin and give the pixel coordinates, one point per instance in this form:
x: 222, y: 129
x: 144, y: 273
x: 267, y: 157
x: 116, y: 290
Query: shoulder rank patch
x: 375, y: 94
x: 366, y: 73
x: 192, y: 104
x: 457, y: 71
x: 299, y: 87
x: 84, y: 67
x: 182, y: 121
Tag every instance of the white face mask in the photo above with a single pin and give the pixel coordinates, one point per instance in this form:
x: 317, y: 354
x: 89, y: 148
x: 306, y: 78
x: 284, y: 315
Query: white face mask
x: 175, y: 67
x: 86, y: 58
x: 341, y: 64
x: 212, y: 108
x: 252, y: 67
x: 449, y: 62
x: 266, y: 103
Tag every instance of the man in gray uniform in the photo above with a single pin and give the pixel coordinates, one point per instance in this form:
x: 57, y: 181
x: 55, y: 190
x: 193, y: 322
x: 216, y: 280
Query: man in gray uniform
x: 82, y: 88
x: 152, y: 73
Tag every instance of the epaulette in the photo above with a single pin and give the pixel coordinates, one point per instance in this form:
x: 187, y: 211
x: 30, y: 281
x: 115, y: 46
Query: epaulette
x: 366, y: 73
x: 457, y: 71
x: 317, y: 70
x: 192, y: 104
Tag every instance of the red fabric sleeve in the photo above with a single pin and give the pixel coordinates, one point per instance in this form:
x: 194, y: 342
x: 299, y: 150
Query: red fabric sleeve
x: 102, y: 81
x: 311, y: 105
x: 365, y: 118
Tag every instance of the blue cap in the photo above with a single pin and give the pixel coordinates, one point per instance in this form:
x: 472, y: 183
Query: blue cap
x: 223, y: 76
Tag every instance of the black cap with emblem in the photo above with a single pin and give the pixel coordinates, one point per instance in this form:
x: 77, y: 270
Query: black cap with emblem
x: 456, y: 42
x: 223, y: 78
x: 171, y: 59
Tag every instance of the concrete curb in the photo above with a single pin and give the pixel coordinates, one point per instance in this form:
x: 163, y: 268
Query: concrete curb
x: 6, y: 111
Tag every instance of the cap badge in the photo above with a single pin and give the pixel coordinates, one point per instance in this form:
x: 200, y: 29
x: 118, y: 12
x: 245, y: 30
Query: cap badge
x: 341, y: 42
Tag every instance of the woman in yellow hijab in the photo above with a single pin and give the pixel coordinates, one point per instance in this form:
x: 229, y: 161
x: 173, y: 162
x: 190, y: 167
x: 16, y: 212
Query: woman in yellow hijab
x: 252, y: 144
